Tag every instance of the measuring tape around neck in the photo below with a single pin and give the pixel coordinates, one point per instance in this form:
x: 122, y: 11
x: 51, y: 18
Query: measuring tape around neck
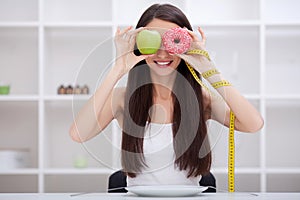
x: 231, y: 149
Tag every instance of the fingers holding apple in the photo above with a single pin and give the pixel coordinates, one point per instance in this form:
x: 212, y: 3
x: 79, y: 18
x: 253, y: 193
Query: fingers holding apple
x: 125, y: 41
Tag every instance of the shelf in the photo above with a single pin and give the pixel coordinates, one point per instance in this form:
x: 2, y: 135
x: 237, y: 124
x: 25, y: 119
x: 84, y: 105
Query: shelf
x: 229, y: 23
x: 18, y: 10
x: 76, y: 183
x: 282, y: 123
x: 283, y: 97
x: 283, y: 170
x: 75, y: 56
x: 19, y: 53
x: 57, y: 137
x: 281, y: 11
x: 24, y: 171
x: 282, y: 60
x: 66, y: 97
x: 283, y: 182
x: 19, y: 98
x: 19, y: 24
x: 79, y: 24
x: 241, y: 60
x: 19, y: 127
x: 243, y: 182
x: 238, y: 170
x: 257, y: 170
x: 124, y: 17
x: 78, y: 171
x: 218, y: 10
x: 18, y: 183
x: 77, y: 10
x: 212, y: 23
x: 247, y: 150
x: 282, y: 24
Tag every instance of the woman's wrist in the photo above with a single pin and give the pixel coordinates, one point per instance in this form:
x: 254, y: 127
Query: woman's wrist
x: 215, y: 78
x: 117, y: 71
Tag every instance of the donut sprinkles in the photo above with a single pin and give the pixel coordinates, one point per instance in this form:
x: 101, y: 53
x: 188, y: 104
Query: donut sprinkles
x: 176, y: 40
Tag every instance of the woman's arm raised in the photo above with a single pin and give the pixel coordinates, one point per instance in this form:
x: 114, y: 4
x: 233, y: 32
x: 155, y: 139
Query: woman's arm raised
x: 99, y: 111
x: 247, y: 118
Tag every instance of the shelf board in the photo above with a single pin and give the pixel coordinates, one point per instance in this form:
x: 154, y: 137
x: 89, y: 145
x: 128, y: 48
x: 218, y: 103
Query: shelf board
x: 19, y: 24
x: 283, y: 170
x: 282, y: 96
x: 238, y: 170
x: 86, y: 97
x: 252, y: 96
x: 46, y: 97
x: 19, y: 97
x: 230, y: 23
x: 78, y: 171
x: 215, y: 23
x: 291, y: 23
x: 66, y: 97
x: 78, y: 24
x: 257, y: 170
x: 34, y: 171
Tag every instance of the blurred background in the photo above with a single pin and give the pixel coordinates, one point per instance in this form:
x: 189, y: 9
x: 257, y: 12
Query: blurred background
x: 54, y: 54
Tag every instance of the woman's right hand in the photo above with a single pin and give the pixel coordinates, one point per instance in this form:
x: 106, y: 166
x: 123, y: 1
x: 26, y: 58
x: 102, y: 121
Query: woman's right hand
x: 125, y: 42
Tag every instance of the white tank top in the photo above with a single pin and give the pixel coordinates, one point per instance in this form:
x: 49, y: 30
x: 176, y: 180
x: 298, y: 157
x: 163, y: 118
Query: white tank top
x: 159, y: 157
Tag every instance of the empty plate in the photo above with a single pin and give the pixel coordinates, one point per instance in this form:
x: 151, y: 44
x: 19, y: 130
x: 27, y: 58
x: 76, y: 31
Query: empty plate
x: 166, y: 190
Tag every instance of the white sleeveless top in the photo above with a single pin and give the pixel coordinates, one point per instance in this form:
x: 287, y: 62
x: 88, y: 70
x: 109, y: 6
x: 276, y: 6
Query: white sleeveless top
x: 160, y: 157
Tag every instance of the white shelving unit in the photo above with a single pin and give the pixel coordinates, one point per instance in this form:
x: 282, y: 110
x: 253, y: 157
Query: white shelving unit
x: 46, y: 43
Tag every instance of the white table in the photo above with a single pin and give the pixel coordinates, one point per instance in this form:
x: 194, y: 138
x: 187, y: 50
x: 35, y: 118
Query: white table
x: 116, y: 196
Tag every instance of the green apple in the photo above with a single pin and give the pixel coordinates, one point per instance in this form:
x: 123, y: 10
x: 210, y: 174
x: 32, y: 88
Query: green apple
x: 148, y: 41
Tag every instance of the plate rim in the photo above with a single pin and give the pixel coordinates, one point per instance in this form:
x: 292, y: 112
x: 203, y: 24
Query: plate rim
x: 138, y: 190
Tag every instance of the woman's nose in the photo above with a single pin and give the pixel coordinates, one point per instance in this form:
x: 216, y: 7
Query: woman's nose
x: 162, y: 52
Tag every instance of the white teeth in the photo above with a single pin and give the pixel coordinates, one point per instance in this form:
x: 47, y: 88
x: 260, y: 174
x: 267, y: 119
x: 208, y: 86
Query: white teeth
x: 163, y: 63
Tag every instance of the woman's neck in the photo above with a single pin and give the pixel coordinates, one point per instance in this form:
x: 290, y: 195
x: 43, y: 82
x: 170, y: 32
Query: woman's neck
x: 162, y: 92
x: 163, y: 86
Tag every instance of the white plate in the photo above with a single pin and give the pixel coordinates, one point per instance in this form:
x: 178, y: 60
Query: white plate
x: 166, y: 190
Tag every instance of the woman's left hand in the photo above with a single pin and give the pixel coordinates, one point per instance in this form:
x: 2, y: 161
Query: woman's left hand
x: 198, y: 62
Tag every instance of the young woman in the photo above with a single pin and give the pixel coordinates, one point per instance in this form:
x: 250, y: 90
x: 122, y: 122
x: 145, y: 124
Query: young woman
x: 163, y: 110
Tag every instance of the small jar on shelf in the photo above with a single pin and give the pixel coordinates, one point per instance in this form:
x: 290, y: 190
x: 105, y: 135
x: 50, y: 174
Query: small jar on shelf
x: 62, y: 90
x: 4, y: 88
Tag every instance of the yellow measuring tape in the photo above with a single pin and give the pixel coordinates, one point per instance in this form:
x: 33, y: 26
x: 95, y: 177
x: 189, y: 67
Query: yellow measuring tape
x: 231, y: 149
x: 231, y: 153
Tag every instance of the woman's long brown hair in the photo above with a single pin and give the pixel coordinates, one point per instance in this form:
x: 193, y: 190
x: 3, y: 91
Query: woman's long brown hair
x: 190, y: 113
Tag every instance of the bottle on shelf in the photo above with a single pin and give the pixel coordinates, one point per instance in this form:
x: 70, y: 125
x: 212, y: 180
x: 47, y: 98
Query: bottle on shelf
x: 77, y: 90
x: 61, y: 90
x: 69, y: 90
x: 85, y: 89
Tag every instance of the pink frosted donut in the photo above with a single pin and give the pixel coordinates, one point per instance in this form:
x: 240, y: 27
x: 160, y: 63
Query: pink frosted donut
x: 176, y: 40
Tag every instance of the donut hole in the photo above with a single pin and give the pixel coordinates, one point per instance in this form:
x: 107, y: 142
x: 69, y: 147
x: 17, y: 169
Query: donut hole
x: 176, y: 40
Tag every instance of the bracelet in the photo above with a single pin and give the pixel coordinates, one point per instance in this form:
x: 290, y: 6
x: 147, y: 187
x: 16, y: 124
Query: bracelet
x: 221, y: 84
x: 199, y: 52
x: 210, y: 73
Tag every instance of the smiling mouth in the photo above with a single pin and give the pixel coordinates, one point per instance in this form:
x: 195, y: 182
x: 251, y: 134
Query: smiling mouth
x: 163, y: 64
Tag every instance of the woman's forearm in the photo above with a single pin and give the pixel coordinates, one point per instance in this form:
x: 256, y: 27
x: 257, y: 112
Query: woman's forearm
x: 248, y: 119
x: 86, y: 123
